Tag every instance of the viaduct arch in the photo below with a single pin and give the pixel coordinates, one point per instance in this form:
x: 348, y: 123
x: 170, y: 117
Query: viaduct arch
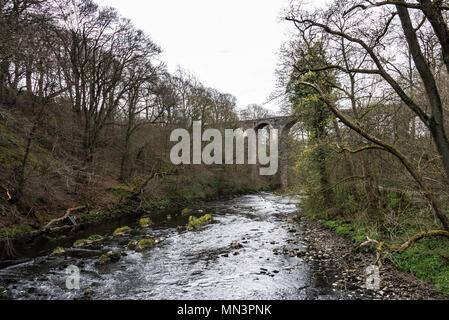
x: 283, y: 124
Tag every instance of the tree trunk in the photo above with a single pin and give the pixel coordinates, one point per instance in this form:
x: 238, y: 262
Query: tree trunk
x: 381, y: 145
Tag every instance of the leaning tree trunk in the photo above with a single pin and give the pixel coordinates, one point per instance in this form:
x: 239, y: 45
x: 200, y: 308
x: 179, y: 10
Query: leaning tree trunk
x: 381, y: 145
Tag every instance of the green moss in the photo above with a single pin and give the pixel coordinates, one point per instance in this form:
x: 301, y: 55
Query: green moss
x: 15, y: 230
x: 144, y: 222
x: 91, y: 239
x: 191, y: 197
x: 109, y: 256
x: 122, y: 192
x: 11, y: 153
x: 169, y: 179
x: 197, y: 222
x: 162, y: 202
x: 79, y: 242
x: 122, y: 230
x: 186, y: 211
x: 427, y: 259
x: 103, y: 258
x: 58, y: 250
x: 95, y: 237
x: 145, y: 244
x: 116, y: 211
x: 93, y: 215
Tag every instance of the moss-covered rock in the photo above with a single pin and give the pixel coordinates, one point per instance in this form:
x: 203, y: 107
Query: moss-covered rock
x: 132, y: 244
x: 88, y: 293
x: 103, y: 259
x: 110, y: 256
x: 186, y: 211
x: 236, y: 245
x: 92, y: 239
x: 197, y: 222
x: 2, y: 289
x: 145, y: 222
x: 57, y: 251
x: 122, y: 231
x: 145, y: 244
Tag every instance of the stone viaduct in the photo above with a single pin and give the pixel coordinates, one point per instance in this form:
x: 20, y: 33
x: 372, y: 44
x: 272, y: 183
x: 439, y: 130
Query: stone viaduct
x: 283, y: 124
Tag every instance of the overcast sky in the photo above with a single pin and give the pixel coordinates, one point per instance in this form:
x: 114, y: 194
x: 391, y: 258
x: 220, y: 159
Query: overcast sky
x: 230, y: 45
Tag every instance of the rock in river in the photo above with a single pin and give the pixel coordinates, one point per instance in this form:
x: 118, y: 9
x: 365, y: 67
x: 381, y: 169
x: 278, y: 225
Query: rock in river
x: 145, y: 244
x: 110, y: 256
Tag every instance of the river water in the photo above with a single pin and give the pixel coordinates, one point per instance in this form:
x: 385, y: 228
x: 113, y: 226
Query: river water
x: 198, y: 264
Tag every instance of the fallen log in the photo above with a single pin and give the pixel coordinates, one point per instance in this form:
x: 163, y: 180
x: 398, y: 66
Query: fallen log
x: 401, y: 248
x: 66, y: 215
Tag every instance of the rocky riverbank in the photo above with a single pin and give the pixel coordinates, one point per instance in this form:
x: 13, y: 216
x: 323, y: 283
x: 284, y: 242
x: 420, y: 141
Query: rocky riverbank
x: 324, y: 247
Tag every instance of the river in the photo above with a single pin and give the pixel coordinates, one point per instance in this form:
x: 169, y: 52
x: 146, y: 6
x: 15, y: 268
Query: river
x: 198, y: 264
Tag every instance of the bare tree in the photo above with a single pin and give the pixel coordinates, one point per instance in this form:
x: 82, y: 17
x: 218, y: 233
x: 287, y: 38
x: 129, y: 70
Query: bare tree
x: 255, y: 111
x: 374, y: 42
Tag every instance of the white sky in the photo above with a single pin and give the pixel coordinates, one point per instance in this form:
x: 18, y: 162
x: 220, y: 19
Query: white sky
x: 230, y: 45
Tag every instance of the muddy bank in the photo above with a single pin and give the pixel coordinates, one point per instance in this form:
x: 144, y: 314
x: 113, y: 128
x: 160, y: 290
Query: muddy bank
x: 324, y: 245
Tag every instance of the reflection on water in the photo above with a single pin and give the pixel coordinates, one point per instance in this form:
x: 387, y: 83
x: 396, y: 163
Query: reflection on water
x: 185, y: 265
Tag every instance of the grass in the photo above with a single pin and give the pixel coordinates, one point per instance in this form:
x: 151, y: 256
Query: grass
x: 92, y: 238
x: 194, y: 197
x: 122, y: 192
x: 161, y: 202
x: 15, y: 230
x: 93, y: 215
x: 357, y: 234
x: 427, y: 260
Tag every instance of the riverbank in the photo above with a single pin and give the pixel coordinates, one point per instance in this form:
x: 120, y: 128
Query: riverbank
x: 351, y: 265
x: 55, y: 175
